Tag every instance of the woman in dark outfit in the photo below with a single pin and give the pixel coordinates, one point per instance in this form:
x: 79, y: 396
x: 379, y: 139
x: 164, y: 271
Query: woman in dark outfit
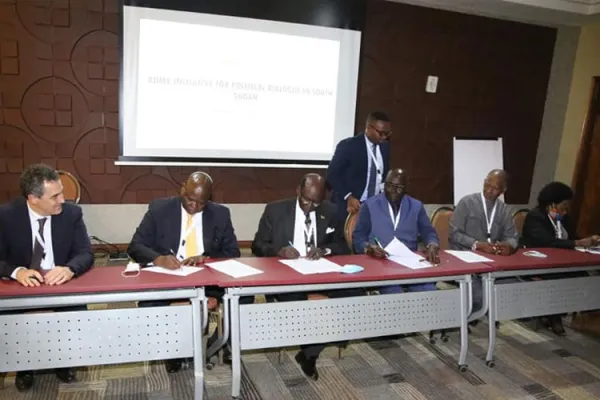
x: 548, y: 225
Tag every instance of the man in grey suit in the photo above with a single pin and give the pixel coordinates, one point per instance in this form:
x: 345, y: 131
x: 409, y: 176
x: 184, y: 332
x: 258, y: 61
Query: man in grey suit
x: 482, y: 222
x: 304, y: 226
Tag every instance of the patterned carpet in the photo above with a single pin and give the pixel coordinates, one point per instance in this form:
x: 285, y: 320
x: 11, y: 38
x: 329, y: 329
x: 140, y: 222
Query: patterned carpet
x: 530, y: 365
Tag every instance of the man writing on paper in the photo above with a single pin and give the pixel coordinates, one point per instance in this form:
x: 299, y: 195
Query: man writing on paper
x: 184, y: 230
x: 482, y: 222
x: 359, y: 164
x: 305, y: 226
x: 393, y: 215
x: 43, y: 240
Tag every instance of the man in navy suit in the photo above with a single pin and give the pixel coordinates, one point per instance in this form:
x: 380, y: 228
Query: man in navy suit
x: 359, y: 164
x: 43, y: 240
x: 185, y: 230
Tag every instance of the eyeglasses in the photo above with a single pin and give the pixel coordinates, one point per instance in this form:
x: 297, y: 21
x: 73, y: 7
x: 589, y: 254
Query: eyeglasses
x: 306, y: 202
x: 383, y: 134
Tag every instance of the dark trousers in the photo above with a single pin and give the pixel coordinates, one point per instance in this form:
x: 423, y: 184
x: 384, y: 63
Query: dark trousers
x: 313, y: 350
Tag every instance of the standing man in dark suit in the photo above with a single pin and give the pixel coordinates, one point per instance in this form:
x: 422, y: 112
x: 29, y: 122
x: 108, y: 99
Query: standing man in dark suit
x: 43, y: 240
x: 304, y: 226
x: 184, y: 230
x: 359, y: 164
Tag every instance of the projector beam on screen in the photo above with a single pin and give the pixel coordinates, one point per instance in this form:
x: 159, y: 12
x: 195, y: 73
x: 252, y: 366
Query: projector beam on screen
x: 205, y: 89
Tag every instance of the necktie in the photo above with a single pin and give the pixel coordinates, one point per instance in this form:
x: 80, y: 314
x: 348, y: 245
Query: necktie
x: 308, y: 238
x: 38, y: 248
x: 373, y: 174
x: 191, y: 246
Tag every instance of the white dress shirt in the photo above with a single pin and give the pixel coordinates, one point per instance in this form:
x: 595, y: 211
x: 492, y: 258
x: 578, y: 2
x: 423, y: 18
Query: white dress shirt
x: 48, y: 260
x: 379, y: 177
x: 299, y: 226
x: 184, y: 232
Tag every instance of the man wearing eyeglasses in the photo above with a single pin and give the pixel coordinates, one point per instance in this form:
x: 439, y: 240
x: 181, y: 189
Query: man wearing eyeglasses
x: 393, y: 214
x: 359, y: 164
x: 304, y: 226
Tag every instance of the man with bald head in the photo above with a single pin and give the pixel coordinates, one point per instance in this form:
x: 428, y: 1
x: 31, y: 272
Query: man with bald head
x: 482, y: 222
x: 394, y: 214
x: 306, y: 225
x: 303, y: 226
x: 184, y: 230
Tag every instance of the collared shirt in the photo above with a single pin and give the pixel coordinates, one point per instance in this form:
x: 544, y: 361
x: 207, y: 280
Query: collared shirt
x: 468, y: 223
x: 379, y: 163
x: 299, y: 227
x: 48, y: 259
x: 184, y: 233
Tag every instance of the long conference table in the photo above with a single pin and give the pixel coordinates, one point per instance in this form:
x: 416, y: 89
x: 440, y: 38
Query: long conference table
x: 92, y: 337
x: 32, y: 341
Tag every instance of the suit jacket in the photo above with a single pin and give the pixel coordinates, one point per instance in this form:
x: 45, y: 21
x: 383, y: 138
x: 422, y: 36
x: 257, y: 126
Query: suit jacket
x: 276, y: 228
x: 160, y: 231
x: 374, y: 220
x: 538, y: 231
x: 70, y: 242
x: 347, y: 171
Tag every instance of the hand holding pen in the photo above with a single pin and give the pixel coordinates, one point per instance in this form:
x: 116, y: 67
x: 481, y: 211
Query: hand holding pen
x: 168, y: 261
x: 289, y: 252
x: 376, y: 249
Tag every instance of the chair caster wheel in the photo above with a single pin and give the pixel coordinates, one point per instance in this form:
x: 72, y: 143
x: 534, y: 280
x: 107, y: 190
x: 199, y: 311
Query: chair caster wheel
x: 432, y: 340
x: 209, y: 366
x: 490, y: 363
x: 462, y: 368
x: 445, y: 339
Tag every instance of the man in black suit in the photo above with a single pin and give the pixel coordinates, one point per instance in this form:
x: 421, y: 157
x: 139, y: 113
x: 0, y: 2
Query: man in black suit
x: 305, y: 226
x: 184, y: 230
x: 43, y: 240
x: 359, y: 164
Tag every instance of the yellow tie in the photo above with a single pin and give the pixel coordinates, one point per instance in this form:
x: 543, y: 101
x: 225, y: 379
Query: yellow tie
x: 191, y: 247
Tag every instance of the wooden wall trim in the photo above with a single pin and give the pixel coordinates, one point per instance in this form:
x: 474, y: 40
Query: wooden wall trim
x: 60, y: 89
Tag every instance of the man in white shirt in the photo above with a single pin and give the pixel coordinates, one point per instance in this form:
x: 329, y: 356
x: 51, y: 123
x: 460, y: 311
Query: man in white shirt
x: 185, y: 230
x: 304, y: 226
x: 43, y: 240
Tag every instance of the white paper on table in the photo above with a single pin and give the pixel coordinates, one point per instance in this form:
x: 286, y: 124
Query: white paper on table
x: 591, y: 250
x: 397, y: 248
x: 400, y: 254
x: 234, y: 268
x: 416, y: 262
x: 182, y: 271
x: 468, y: 256
x: 307, y: 267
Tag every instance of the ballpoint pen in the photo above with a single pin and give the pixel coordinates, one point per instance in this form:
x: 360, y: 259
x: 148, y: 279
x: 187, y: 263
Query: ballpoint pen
x: 378, y: 243
x: 174, y: 255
